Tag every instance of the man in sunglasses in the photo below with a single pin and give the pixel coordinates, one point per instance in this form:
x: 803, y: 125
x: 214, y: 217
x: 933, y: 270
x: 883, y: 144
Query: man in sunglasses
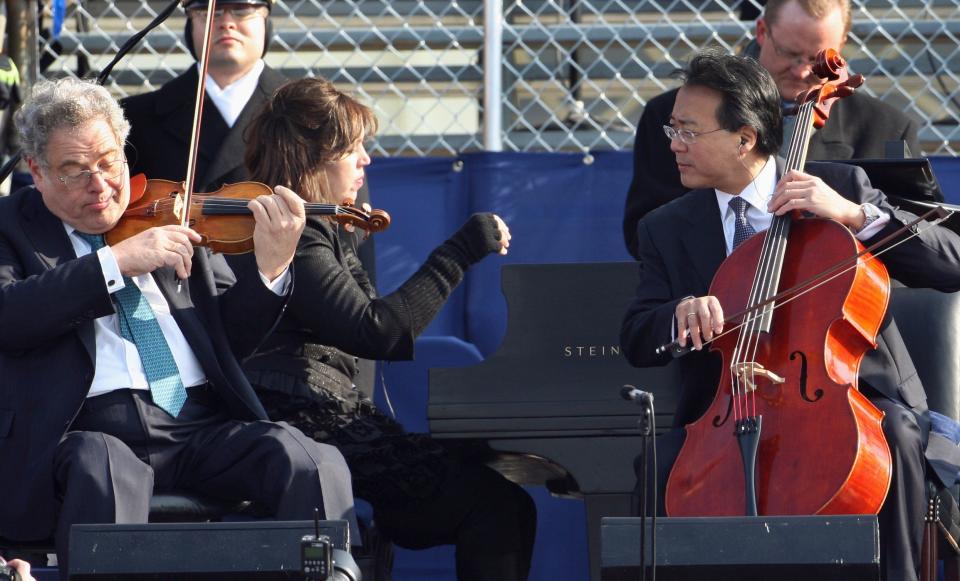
x: 788, y: 37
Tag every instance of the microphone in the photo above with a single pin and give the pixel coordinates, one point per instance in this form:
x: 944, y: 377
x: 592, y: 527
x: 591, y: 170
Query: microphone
x: 631, y: 393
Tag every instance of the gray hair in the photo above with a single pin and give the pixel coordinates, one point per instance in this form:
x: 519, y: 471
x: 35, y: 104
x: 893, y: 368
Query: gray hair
x: 65, y: 103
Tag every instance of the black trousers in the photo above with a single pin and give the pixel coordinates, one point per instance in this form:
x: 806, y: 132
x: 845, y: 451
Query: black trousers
x: 902, y: 514
x: 424, y: 494
x: 122, y: 447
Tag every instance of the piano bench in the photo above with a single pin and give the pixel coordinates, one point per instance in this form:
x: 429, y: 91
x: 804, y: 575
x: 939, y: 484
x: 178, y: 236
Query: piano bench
x: 186, y: 507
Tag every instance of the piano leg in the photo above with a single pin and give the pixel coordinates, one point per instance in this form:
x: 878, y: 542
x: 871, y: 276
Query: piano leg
x: 599, y: 506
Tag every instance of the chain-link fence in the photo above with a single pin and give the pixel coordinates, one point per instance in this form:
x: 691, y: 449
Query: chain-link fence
x: 574, y: 74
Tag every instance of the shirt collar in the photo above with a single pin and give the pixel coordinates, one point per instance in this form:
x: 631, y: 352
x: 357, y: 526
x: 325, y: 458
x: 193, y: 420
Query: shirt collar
x: 231, y: 100
x: 757, y: 193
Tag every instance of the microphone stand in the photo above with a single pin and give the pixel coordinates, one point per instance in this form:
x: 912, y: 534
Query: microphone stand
x: 131, y: 42
x: 647, y: 425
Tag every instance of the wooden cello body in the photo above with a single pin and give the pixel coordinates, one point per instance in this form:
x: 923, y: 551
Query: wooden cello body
x: 821, y: 448
x: 788, y: 432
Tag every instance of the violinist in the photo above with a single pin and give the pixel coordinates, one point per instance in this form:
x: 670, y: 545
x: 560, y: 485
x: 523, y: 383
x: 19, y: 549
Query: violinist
x: 788, y: 37
x: 119, y: 374
x: 424, y: 492
x: 724, y: 130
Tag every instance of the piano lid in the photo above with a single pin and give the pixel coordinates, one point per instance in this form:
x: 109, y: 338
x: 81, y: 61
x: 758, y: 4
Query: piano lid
x: 559, y: 369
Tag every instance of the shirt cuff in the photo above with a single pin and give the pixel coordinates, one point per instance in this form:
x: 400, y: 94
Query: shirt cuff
x: 111, y: 270
x: 873, y: 228
x: 280, y: 285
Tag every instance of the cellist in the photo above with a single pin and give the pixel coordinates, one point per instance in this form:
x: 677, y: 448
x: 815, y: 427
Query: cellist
x: 724, y: 130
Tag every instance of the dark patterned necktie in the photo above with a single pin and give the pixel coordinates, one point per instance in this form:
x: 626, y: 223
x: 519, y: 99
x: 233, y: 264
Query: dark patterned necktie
x: 139, y: 326
x: 741, y: 226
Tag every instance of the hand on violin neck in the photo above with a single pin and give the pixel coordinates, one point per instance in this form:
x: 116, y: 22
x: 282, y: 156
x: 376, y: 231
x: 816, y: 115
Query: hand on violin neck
x: 807, y: 193
x: 155, y: 248
x: 699, y: 319
x: 280, y: 219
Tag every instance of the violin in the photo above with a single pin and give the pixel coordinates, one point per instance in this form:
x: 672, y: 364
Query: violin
x: 222, y: 218
x: 788, y: 432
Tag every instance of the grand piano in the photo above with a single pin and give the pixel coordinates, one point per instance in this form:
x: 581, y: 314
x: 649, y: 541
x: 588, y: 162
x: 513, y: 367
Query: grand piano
x: 547, y: 402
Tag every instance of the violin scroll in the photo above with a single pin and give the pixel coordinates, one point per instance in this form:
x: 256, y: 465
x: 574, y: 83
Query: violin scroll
x: 373, y: 221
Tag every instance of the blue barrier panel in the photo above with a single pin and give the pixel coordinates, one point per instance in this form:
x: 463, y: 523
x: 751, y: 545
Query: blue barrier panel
x: 427, y: 202
x: 560, y: 208
x: 947, y: 170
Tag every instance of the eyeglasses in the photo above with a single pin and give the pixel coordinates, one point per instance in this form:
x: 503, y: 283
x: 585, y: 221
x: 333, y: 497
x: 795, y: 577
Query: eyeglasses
x: 685, y: 135
x: 242, y: 12
x: 108, y: 170
x: 795, y: 58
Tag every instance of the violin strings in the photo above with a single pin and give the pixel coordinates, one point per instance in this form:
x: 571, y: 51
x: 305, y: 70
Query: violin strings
x: 232, y: 204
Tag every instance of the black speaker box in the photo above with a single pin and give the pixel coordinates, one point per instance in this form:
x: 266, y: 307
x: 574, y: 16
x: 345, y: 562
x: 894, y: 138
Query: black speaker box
x: 785, y: 548
x: 262, y: 550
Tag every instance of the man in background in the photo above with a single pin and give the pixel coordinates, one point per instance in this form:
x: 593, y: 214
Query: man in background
x: 788, y: 38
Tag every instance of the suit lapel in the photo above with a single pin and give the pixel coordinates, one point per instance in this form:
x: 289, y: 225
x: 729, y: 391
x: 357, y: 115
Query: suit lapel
x: 49, y: 238
x: 230, y: 150
x: 829, y: 141
x: 704, y: 242
x: 45, y: 231
x: 175, y: 108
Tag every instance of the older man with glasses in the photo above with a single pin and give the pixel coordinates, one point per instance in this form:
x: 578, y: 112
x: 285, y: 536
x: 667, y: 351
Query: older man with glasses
x: 788, y: 37
x: 120, y: 357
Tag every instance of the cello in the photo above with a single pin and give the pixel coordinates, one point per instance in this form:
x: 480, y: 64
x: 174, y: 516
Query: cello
x: 788, y: 432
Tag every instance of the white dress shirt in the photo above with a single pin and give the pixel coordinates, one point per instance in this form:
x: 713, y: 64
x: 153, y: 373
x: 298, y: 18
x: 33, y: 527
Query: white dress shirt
x: 231, y: 100
x: 757, y: 194
x: 118, y: 364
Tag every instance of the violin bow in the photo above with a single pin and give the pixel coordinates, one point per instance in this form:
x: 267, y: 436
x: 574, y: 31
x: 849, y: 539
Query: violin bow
x: 197, y: 113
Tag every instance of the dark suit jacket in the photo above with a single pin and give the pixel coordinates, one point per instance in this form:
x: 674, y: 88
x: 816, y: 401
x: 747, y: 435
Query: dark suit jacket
x: 48, y: 302
x: 681, y: 245
x: 160, y: 135
x: 858, y: 128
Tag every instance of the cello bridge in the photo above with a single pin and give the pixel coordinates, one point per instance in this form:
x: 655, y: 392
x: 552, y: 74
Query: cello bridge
x: 747, y: 371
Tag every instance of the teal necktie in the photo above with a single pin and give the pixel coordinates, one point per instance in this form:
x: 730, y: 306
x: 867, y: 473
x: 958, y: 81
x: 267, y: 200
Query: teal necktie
x: 139, y: 326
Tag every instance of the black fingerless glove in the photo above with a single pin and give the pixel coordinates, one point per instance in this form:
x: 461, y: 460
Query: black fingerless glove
x: 478, y: 237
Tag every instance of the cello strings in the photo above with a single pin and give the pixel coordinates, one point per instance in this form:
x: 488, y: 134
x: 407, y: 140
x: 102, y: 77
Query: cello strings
x: 765, y: 279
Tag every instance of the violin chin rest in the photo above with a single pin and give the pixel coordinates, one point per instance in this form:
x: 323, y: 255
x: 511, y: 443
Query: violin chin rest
x: 138, y: 186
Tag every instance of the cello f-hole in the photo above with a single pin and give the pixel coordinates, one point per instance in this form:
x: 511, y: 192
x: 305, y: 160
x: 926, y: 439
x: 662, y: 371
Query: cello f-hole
x: 717, y: 420
x: 817, y: 393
